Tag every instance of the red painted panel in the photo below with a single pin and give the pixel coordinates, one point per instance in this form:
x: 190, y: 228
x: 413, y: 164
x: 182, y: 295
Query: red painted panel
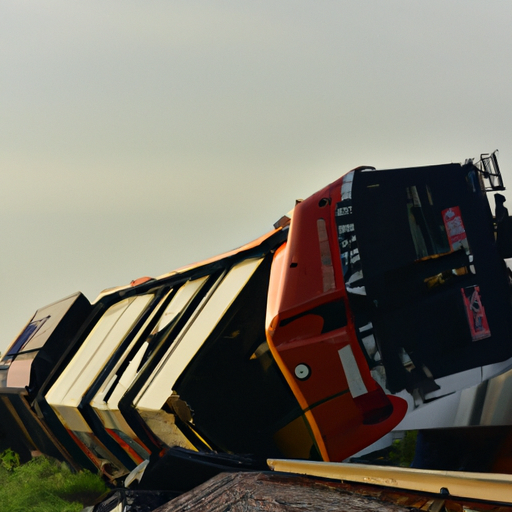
x: 308, y: 323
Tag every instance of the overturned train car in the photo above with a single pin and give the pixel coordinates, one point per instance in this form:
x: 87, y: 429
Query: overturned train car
x: 381, y: 303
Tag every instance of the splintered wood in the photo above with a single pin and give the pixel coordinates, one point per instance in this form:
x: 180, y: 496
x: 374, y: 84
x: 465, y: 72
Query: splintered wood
x: 262, y: 492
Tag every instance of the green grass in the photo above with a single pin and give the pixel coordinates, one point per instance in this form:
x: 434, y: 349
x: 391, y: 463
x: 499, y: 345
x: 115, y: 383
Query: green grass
x: 402, y: 451
x: 45, y: 485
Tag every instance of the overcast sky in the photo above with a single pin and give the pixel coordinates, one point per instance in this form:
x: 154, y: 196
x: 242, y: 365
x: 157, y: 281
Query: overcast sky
x: 140, y: 136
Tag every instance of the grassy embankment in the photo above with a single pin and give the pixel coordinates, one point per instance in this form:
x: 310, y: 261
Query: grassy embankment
x: 45, y: 485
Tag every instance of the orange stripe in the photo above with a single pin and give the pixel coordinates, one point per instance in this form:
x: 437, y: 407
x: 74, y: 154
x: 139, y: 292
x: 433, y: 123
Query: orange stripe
x: 125, y: 446
x: 300, y: 398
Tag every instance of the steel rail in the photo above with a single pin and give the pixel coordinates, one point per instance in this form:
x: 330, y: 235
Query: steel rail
x: 492, y: 487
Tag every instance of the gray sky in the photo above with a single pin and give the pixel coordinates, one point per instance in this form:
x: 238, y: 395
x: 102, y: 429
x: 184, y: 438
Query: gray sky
x: 140, y: 136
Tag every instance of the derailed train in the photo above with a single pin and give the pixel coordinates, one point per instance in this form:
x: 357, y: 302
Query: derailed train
x: 380, y: 303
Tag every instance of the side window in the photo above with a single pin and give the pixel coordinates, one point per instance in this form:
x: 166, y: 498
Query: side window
x: 425, y: 222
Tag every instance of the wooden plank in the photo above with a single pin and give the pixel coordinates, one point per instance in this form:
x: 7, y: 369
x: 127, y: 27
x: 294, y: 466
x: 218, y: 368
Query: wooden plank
x: 264, y: 492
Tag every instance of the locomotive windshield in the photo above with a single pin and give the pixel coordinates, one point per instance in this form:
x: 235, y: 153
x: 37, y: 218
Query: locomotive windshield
x: 422, y: 236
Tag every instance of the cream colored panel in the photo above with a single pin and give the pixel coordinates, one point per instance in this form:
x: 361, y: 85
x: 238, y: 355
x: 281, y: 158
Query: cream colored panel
x: 111, y: 379
x: 183, y: 296
x: 120, y: 387
x: 72, y: 419
x: 96, y: 350
x: 86, y: 351
x: 160, y: 384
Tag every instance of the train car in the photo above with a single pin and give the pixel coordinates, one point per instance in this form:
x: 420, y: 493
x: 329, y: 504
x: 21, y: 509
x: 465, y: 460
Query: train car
x: 27, y: 364
x: 374, y: 306
x: 395, y: 303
